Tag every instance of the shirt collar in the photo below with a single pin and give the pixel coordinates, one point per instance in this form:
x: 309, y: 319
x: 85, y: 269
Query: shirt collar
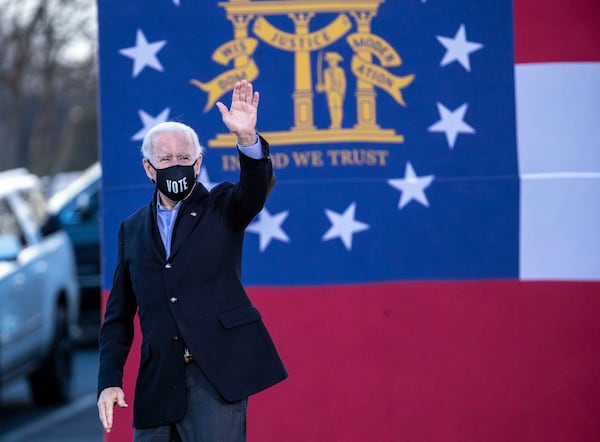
x: 162, y: 208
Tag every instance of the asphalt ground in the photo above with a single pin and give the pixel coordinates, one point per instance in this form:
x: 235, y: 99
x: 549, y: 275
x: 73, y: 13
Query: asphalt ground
x: 77, y: 421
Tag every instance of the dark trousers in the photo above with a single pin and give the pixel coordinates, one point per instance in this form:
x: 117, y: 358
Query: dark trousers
x: 208, y: 417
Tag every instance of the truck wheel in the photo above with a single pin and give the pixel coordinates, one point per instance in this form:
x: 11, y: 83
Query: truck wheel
x: 51, y: 383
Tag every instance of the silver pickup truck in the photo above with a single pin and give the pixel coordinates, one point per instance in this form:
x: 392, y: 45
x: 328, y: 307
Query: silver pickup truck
x: 39, y: 294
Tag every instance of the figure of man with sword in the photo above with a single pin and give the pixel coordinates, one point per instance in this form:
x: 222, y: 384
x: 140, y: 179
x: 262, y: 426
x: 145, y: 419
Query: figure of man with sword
x: 332, y: 81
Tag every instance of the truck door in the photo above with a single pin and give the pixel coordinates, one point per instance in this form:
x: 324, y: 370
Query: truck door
x: 21, y: 289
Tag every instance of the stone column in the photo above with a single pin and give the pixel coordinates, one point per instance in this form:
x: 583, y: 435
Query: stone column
x: 366, y: 109
x: 303, y: 94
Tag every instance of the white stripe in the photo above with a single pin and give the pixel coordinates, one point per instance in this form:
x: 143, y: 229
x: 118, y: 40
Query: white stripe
x: 558, y: 135
x: 560, y: 175
x: 558, y: 117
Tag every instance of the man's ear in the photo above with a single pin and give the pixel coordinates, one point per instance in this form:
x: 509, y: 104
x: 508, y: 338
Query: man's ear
x: 150, y: 172
x: 198, y: 166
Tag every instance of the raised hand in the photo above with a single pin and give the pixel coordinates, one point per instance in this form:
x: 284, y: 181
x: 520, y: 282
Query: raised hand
x: 240, y: 118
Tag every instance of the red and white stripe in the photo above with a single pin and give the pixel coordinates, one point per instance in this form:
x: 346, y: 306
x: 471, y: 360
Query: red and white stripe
x: 557, y: 77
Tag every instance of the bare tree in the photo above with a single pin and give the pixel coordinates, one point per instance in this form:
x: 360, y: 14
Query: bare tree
x: 42, y: 80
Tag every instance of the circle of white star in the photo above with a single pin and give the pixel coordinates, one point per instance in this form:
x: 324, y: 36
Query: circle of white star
x: 149, y: 122
x: 344, y: 226
x: 268, y: 227
x: 451, y: 123
x: 143, y: 53
x: 412, y: 187
x: 458, y: 48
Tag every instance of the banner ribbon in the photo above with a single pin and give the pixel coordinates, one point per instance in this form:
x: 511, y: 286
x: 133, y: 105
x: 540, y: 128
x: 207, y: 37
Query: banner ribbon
x: 378, y: 76
x: 293, y: 42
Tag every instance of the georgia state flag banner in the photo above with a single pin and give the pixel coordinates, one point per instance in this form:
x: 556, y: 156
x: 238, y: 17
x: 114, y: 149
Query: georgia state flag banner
x: 429, y: 260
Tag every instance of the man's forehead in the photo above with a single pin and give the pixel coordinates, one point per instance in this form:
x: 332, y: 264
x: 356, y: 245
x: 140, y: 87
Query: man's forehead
x: 173, y: 142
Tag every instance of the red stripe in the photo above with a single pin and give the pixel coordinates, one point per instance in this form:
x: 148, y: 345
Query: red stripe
x: 123, y: 417
x: 557, y: 30
x: 478, y: 361
x: 453, y: 361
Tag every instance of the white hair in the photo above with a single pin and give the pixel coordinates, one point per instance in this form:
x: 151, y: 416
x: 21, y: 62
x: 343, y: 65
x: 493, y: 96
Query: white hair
x: 169, y: 126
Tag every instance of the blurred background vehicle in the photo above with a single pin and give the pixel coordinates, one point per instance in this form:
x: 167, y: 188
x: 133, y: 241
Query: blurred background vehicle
x: 75, y: 209
x: 39, y: 294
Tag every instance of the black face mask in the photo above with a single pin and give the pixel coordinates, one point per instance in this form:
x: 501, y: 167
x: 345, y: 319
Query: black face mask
x: 175, y: 182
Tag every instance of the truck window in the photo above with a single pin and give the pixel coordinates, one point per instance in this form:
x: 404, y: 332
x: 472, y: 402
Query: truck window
x: 37, y: 205
x: 8, y: 222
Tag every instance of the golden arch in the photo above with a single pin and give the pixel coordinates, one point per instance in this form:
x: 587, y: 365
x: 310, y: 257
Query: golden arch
x: 242, y: 12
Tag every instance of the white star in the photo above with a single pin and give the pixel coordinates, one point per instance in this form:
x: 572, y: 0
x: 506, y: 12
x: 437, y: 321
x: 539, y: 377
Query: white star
x: 176, y: 2
x: 149, y: 122
x: 343, y: 226
x: 458, y: 48
x: 205, y: 179
x: 269, y: 227
x: 143, y: 53
x: 451, y: 122
x: 411, y: 186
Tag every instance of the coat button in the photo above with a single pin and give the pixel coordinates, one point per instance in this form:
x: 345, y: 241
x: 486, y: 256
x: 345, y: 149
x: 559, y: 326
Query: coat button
x: 168, y: 265
x: 173, y: 300
x: 175, y: 338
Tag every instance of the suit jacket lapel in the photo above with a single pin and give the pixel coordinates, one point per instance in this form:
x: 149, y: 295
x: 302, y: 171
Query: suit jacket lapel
x: 188, y: 217
x: 150, y: 237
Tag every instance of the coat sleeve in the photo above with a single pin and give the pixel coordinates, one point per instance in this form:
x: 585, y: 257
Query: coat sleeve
x: 116, y: 333
x: 250, y: 193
